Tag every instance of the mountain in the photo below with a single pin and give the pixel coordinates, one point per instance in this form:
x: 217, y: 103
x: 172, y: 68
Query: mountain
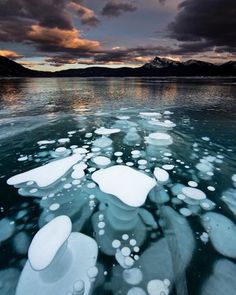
x: 9, y: 68
x: 158, y: 67
x: 160, y: 63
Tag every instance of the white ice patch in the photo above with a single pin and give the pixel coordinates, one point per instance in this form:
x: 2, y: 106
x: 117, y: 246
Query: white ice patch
x: 72, y: 271
x: 102, y: 142
x: 192, y: 183
x: 157, y: 287
x: 46, y: 175
x: 48, y: 241
x: 159, y: 139
x: 193, y: 193
x: 63, y: 140
x: 78, y: 170
x: 123, y: 117
x: 22, y: 158
x: 45, y: 142
x: 168, y: 167
x: 167, y: 113
x: 162, y: 176
x: 106, y: 131
x: 101, y: 161
x: 233, y: 178
x: 133, y: 276
x: 150, y: 114
x: 165, y: 124
x: 127, y: 184
x: 205, y: 167
x: 136, y: 291
x: 80, y: 151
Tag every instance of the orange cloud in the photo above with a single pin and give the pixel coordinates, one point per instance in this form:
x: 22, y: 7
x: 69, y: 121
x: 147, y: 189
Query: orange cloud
x: 142, y: 59
x: 63, y: 39
x: 87, y: 16
x: 135, y: 60
x: 29, y: 64
x: 174, y: 58
x: 10, y: 54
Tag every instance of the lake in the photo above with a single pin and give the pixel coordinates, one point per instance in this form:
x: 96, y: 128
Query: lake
x: 142, y: 171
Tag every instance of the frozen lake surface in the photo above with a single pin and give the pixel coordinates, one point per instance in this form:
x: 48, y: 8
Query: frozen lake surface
x: 118, y: 186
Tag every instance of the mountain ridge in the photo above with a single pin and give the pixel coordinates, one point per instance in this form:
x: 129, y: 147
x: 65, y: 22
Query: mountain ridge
x: 157, y: 67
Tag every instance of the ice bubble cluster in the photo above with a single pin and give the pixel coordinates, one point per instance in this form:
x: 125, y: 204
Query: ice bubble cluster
x: 140, y: 191
x: 159, y: 139
x: 158, y: 287
x: 132, y: 137
x: 59, y: 261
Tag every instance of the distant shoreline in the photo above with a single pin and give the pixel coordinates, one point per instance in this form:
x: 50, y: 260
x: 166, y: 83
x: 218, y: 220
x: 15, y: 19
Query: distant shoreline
x: 159, y: 68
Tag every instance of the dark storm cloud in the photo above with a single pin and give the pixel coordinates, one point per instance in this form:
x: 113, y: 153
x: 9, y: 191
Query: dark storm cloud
x: 48, y: 13
x: 46, y: 25
x: 58, y: 61
x: 128, y: 54
x: 206, y: 23
x: 86, y: 15
x: 115, y: 8
x: 190, y: 48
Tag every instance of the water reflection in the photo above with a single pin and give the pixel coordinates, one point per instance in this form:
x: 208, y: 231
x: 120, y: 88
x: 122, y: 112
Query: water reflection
x: 37, y: 96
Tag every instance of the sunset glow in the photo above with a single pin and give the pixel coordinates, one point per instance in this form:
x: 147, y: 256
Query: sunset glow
x: 52, y: 34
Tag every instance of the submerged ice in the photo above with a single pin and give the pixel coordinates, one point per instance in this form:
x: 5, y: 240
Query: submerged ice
x: 123, y: 209
x: 59, y: 261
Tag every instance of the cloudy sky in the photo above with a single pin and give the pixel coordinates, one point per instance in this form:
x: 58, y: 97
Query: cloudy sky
x: 59, y: 34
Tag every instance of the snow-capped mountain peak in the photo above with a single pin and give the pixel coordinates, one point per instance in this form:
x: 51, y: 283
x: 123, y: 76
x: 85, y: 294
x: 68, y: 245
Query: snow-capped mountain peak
x: 161, y: 62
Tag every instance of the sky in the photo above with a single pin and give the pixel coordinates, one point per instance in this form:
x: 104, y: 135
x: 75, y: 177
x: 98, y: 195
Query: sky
x: 59, y: 34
